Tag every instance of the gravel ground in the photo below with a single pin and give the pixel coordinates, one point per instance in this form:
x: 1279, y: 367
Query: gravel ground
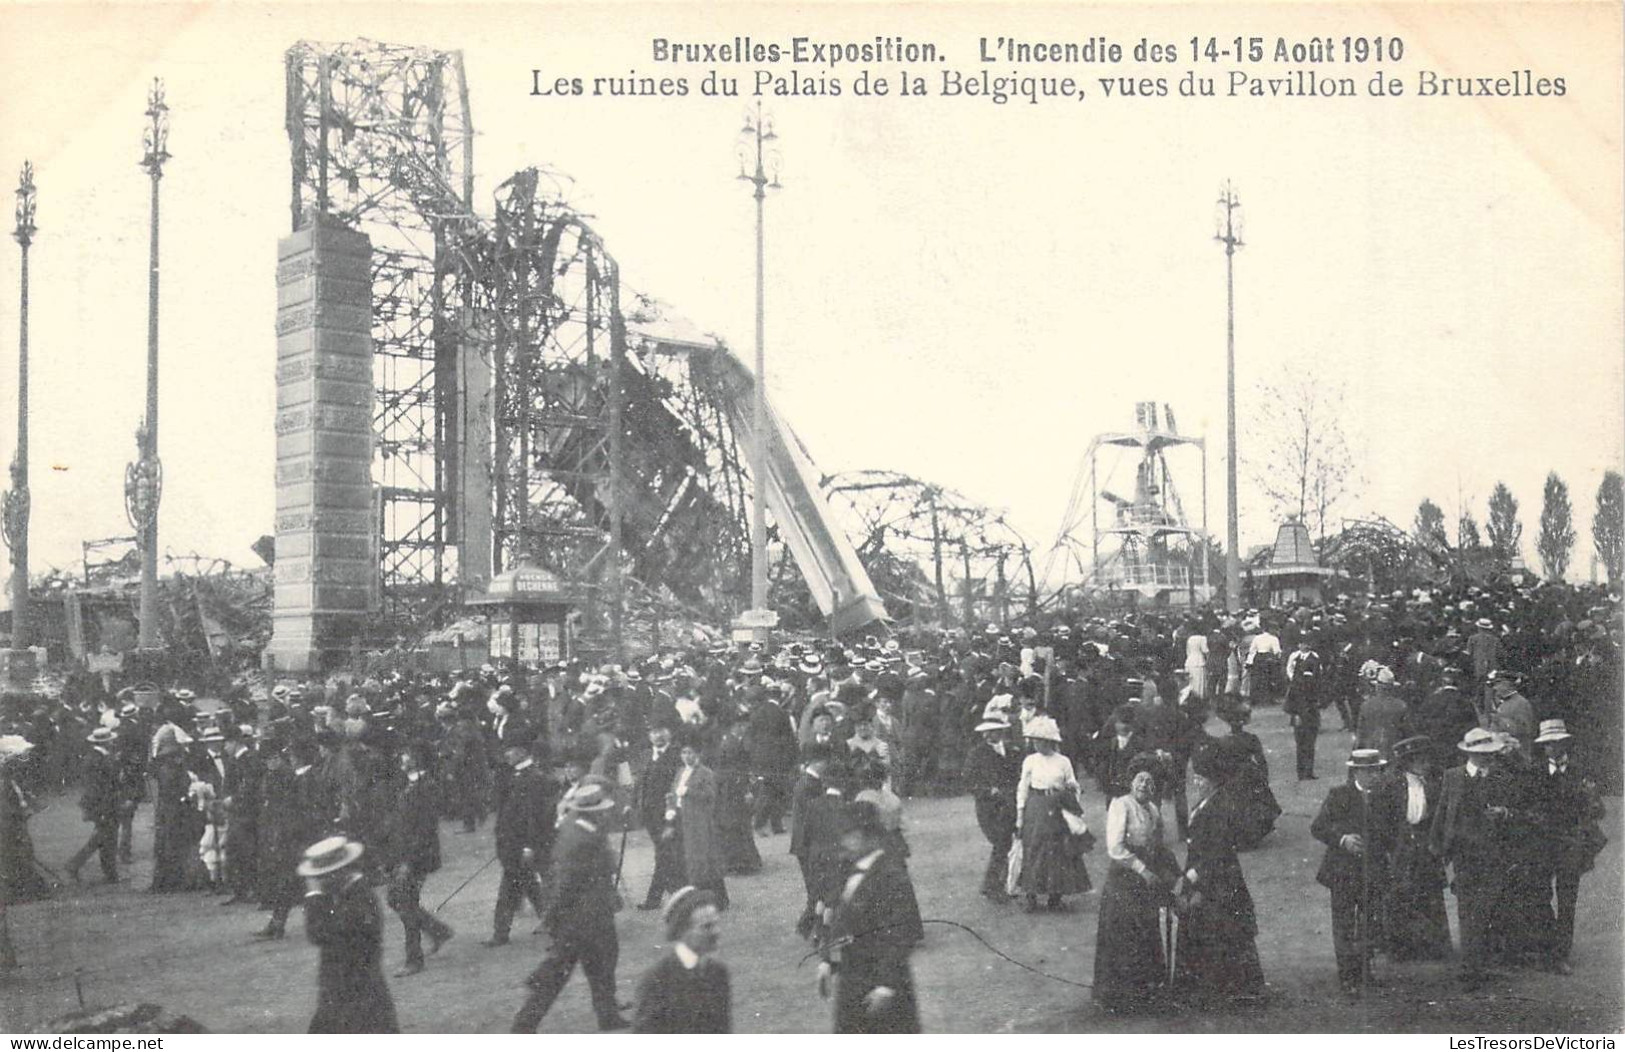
x: 193, y: 956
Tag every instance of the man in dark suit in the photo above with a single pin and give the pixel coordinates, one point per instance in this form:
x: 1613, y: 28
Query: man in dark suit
x: 412, y: 852
x: 654, y: 774
x: 1568, y: 808
x: 99, y: 802
x: 342, y: 918
x: 1302, y: 704
x: 293, y: 821
x: 868, y: 950
x: 524, y: 837
x: 1358, y: 824
x: 815, y: 837
x: 773, y: 748
x: 687, y: 991
x: 241, y: 793
x: 1467, y: 834
x: 581, y: 920
x: 991, y: 772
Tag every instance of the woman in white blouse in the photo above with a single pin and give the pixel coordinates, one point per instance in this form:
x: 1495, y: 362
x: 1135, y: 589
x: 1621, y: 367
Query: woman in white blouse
x: 1052, y: 858
x: 1130, y: 969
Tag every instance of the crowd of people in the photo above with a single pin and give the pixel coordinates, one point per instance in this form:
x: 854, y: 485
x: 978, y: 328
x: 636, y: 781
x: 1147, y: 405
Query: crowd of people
x: 1486, y: 726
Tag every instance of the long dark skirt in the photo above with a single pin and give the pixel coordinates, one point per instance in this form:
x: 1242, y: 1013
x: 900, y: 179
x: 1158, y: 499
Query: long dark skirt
x: 910, y: 920
x: 1130, y: 967
x: 1216, y: 957
x: 1417, y: 926
x: 176, y: 827
x: 734, y: 831
x: 1051, y: 862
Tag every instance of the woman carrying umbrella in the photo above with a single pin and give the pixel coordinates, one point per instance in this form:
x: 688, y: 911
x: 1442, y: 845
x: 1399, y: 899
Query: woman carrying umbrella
x: 1130, y: 966
x: 1052, y: 857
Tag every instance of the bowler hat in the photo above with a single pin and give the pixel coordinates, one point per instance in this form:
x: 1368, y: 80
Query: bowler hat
x: 1416, y: 745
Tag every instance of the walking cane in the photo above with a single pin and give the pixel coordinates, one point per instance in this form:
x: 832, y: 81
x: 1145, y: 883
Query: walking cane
x: 465, y: 883
x: 620, y: 863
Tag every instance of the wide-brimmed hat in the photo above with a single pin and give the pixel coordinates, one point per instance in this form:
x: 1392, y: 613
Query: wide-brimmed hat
x: 1366, y: 759
x: 1553, y: 731
x: 1416, y: 745
x: 993, y: 724
x: 592, y: 795
x: 329, y: 856
x: 1043, y: 729
x: 1479, y: 740
x: 13, y: 745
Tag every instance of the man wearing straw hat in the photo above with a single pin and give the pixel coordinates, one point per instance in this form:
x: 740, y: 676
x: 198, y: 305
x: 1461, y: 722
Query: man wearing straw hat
x: 342, y: 918
x: 581, y: 919
x: 1357, y: 823
x: 992, y: 771
x: 1468, y: 835
x: 99, y: 803
x: 1569, y: 809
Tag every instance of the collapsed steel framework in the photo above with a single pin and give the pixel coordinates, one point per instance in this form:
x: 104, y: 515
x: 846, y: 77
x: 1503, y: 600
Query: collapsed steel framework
x: 521, y: 411
x: 934, y: 552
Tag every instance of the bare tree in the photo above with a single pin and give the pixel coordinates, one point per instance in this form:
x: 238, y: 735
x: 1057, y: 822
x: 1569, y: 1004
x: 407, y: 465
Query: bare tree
x: 1556, y: 540
x: 1608, y: 525
x: 1305, y: 469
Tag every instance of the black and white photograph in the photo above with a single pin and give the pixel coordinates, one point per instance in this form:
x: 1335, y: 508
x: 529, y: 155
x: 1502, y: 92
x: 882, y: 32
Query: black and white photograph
x: 858, y: 518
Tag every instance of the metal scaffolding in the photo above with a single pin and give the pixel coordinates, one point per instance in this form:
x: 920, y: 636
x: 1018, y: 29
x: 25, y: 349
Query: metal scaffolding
x: 382, y: 143
x: 520, y: 409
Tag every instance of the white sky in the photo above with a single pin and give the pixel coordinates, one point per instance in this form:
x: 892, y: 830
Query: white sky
x: 957, y: 290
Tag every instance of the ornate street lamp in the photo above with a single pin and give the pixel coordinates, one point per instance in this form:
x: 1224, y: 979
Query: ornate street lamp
x: 15, y: 505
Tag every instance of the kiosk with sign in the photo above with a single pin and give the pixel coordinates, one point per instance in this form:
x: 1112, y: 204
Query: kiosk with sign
x: 530, y: 608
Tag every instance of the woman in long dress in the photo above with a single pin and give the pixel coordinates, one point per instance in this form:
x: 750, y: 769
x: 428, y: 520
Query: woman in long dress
x: 1196, y: 661
x: 1052, y: 858
x: 694, y: 799
x: 176, y: 825
x: 1130, y: 967
x: 1417, y: 926
x: 1217, y: 953
x: 739, y: 853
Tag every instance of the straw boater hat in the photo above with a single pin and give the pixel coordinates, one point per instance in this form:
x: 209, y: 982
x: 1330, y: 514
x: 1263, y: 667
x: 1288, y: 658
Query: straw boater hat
x: 329, y: 856
x: 1553, y: 731
x: 101, y: 736
x: 683, y: 905
x: 1043, y: 729
x: 1366, y: 759
x: 996, y: 722
x: 1484, y: 623
x: 592, y: 795
x: 1479, y: 740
